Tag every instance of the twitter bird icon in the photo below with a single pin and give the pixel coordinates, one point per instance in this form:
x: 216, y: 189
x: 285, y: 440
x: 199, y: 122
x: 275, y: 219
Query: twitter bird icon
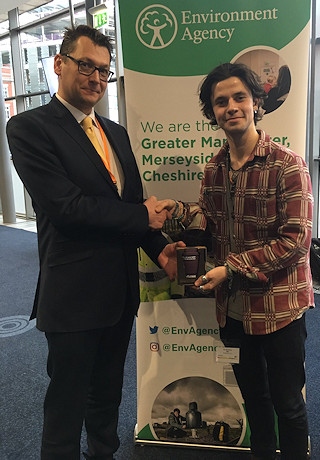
x: 153, y: 330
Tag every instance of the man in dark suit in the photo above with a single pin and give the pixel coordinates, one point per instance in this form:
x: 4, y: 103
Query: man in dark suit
x: 90, y: 223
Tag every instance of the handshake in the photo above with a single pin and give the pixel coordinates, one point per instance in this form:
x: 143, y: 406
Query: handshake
x: 159, y: 211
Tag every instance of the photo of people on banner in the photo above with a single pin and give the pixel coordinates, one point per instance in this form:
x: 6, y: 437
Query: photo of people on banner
x: 205, y: 412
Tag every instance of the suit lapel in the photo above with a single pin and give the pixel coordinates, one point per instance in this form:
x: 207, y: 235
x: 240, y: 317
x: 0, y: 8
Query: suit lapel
x: 114, y: 144
x: 122, y: 153
x: 71, y: 127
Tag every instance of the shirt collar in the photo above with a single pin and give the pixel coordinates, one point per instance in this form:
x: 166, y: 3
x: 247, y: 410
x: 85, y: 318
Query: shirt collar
x: 78, y: 115
x: 261, y: 149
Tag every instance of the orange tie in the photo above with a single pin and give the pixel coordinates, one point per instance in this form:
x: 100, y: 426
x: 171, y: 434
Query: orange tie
x: 87, y: 125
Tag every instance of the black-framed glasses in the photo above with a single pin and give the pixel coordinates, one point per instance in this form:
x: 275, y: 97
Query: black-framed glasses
x: 85, y: 68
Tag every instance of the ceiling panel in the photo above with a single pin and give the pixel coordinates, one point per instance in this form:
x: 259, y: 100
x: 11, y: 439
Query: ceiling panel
x: 7, y: 5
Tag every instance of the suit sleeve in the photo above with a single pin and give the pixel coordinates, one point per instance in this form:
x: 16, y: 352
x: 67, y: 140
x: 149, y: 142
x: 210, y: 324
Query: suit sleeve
x: 74, y: 200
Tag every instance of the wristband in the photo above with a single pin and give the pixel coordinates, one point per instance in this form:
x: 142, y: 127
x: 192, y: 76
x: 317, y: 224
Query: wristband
x: 175, y: 212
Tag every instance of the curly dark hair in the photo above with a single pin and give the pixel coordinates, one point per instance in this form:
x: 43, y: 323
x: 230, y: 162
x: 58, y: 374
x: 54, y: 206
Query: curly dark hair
x: 248, y: 77
x: 71, y: 35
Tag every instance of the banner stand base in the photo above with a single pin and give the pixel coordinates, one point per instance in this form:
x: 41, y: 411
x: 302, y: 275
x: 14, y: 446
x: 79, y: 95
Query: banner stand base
x: 149, y: 442
x: 154, y: 442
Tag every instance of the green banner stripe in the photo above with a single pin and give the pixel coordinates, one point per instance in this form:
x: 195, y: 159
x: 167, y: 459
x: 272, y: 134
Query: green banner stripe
x: 166, y: 38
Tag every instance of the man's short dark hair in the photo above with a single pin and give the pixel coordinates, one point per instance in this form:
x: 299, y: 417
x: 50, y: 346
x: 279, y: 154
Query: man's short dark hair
x: 248, y: 77
x: 71, y: 36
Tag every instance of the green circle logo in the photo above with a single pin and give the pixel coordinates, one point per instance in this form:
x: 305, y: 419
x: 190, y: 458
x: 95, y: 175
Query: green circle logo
x: 156, y: 27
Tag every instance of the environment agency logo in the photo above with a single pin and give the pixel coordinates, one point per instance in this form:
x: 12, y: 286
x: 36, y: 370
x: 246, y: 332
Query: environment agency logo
x: 156, y: 26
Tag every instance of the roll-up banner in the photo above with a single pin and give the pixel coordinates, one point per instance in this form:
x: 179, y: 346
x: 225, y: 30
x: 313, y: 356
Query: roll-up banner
x: 168, y: 47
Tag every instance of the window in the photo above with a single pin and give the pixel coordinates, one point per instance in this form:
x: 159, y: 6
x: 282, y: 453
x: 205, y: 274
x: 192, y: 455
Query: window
x: 4, y: 24
x: 38, y: 42
x: 5, y: 91
x: 6, y: 68
x: 41, y: 75
x: 5, y: 57
x: 45, y: 10
x: 53, y: 50
x: 7, y: 111
x: 27, y: 74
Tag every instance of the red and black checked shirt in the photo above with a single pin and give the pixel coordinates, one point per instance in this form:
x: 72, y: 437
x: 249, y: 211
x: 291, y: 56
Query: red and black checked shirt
x: 271, y: 224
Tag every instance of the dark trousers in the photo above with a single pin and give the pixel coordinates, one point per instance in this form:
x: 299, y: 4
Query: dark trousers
x: 271, y: 376
x: 86, y: 377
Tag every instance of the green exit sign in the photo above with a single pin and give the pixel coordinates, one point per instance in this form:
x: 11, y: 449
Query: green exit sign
x: 100, y: 19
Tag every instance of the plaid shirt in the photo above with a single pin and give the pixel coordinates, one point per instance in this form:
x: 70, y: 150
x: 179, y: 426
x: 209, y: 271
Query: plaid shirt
x: 272, y: 229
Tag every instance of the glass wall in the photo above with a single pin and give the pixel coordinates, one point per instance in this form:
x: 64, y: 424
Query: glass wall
x: 4, y: 24
x: 38, y: 43
x: 45, y: 11
x: 7, y: 77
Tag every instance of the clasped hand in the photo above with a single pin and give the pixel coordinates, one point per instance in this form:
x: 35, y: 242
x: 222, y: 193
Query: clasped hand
x: 167, y: 204
x: 158, y: 212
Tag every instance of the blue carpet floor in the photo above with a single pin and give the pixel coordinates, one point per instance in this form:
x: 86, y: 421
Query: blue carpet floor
x: 23, y: 378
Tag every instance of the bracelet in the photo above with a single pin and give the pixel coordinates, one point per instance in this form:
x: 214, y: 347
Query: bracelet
x: 229, y: 275
x: 178, y: 213
x: 176, y: 210
x: 181, y: 214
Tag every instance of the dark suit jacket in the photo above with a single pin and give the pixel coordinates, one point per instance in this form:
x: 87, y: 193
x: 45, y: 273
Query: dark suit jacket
x: 88, y: 235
